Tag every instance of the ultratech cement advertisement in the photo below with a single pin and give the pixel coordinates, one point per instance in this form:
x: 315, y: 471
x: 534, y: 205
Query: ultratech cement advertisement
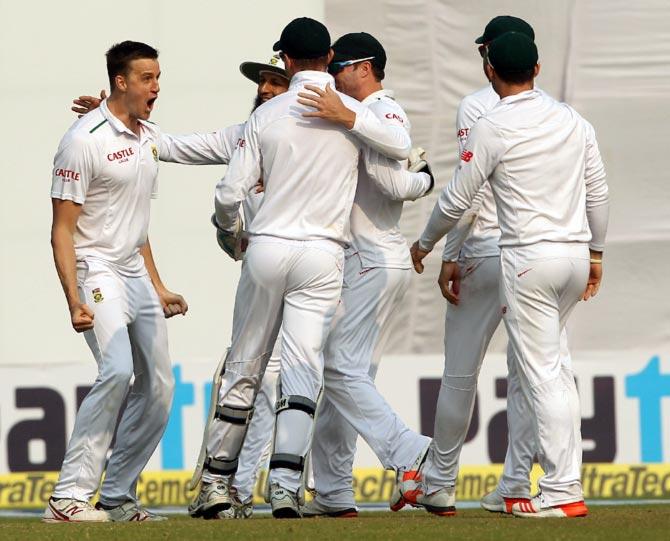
x: 625, y: 425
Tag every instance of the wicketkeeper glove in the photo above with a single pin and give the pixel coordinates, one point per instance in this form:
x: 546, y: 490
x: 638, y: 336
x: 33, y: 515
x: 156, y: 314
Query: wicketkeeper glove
x: 418, y: 164
x: 230, y: 241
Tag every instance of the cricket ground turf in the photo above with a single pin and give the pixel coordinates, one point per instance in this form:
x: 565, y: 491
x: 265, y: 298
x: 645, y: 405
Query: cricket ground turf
x: 607, y: 523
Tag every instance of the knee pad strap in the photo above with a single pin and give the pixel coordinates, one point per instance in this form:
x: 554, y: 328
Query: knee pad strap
x: 296, y: 402
x: 286, y: 460
x: 220, y: 467
x: 234, y: 415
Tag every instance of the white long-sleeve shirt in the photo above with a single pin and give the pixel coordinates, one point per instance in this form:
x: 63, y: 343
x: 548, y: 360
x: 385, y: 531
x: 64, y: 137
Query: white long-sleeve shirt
x: 378, y: 203
x: 210, y: 149
x: 309, y: 167
x: 477, y: 233
x: 542, y: 161
x: 389, y: 135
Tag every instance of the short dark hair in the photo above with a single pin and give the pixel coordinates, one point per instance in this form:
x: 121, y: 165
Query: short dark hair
x: 516, y: 77
x: 316, y: 64
x: 377, y: 72
x: 120, y: 56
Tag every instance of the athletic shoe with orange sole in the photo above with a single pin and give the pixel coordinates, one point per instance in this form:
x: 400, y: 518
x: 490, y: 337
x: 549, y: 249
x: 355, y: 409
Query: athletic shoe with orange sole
x: 408, y: 479
x: 534, y: 509
x: 441, y: 503
x: 494, y: 502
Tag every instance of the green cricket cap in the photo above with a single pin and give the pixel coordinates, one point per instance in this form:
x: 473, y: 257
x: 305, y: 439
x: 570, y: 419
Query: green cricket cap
x: 512, y: 52
x: 501, y: 25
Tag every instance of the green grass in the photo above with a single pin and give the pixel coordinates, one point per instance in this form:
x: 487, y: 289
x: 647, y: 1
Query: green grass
x: 635, y: 523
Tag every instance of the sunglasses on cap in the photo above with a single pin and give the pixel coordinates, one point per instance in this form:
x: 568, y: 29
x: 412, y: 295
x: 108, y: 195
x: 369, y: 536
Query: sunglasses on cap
x: 337, y: 67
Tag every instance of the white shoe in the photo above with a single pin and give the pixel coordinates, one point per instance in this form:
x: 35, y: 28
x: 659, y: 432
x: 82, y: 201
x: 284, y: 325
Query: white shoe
x: 131, y: 512
x: 407, y: 480
x: 316, y: 509
x: 212, y: 499
x: 284, y: 503
x: 442, y: 502
x: 238, y: 510
x: 534, y: 508
x: 70, y: 510
x: 496, y: 503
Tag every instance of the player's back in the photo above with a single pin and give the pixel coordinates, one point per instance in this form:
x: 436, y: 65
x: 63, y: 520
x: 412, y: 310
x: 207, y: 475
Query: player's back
x: 539, y: 184
x: 309, y: 167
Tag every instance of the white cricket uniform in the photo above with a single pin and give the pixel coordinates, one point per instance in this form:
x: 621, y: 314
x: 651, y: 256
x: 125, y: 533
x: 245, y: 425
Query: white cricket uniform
x: 543, y: 164
x: 217, y: 148
x: 292, y: 272
x: 473, y: 243
x: 377, y: 273
x: 112, y: 173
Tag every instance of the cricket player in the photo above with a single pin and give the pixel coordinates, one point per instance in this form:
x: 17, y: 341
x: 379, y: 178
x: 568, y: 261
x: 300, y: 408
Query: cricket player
x: 105, y: 174
x: 211, y: 149
x: 542, y: 162
x: 469, y: 280
x: 470, y: 271
x: 377, y: 272
x: 293, y: 265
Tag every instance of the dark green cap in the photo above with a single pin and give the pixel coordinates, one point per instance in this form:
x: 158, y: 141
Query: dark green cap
x: 501, y: 25
x: 512, y: 52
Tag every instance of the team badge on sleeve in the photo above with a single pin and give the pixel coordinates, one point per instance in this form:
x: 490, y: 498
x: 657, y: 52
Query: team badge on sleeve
x: 466, y: 155
x: 97, y: 295
x: 154, y: 152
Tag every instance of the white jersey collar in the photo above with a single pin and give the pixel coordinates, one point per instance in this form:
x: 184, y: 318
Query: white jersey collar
x: 116, y: 123
x: 378, y: 95
x: 320, y: 78
x: 521, y: 96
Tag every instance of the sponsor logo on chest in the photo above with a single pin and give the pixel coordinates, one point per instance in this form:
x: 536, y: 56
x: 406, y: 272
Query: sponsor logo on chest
x: 393, y: 116
x: 121, y: 156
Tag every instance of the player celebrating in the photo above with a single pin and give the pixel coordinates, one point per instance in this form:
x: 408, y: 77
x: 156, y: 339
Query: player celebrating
x: 377, y: 272
x: 105, y: 173
x: 543, y: 165
x: 293, y: 265
x: 212, y: 149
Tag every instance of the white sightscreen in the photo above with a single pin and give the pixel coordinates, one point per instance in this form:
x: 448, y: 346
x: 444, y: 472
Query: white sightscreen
x: 610, y: 59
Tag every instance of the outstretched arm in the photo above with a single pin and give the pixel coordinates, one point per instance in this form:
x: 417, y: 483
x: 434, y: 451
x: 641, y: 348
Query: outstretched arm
x: 484, y: 150
x: 202, y: 148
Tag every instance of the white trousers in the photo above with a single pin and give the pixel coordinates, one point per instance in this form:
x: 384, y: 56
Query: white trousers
x: 258, y: 443
x: 351, y: 403
x: 129, y: 338
x: 295, y: 285
x: 540, y: 285
x: 469, y: 327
